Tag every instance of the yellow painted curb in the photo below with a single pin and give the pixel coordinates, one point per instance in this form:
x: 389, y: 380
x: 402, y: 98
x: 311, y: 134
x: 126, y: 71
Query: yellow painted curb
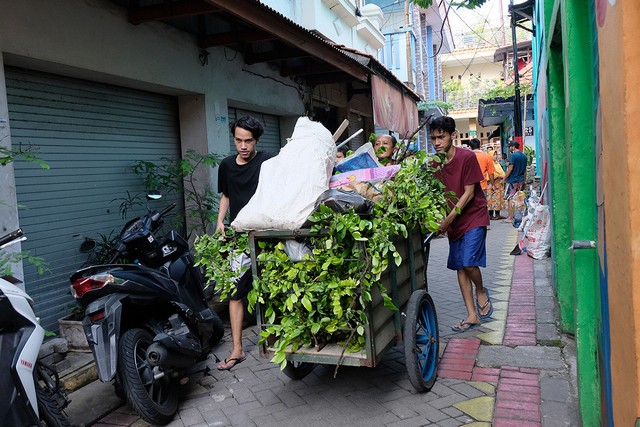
x: 480, y: 408
x: 487, y: 388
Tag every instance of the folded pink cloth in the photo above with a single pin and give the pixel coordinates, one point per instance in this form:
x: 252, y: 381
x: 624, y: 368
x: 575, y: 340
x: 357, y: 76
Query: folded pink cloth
x: 360, y: 175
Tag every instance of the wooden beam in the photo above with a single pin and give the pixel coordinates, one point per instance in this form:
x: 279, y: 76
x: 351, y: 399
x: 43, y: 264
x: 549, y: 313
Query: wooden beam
x: 275, y: 55
x: 307, y: 69
x: 247, y: 36
x: 262, y: 17
x: 170, y: 10
x: 328, y: 78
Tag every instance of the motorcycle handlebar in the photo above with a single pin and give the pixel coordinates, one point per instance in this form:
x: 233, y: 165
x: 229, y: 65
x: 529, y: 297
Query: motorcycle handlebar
x: 167, y: 209
x: 11, y: 237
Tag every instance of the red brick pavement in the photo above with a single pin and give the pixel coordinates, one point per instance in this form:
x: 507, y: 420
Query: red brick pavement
x: 521, y: 315
x: 518, y: 389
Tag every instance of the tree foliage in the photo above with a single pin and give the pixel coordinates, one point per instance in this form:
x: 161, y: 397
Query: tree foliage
x: 467, y: 4
x: 501, y: 91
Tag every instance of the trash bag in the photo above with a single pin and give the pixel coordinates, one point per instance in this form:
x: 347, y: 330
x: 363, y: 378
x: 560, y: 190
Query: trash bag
x: 517, y: 219
x: 342, y: 201
x: 298, y: 251
x: 539, y: 233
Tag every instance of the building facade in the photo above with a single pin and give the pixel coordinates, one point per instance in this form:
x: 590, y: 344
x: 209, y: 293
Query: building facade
x: 90, y: 88
x: 587, y: 101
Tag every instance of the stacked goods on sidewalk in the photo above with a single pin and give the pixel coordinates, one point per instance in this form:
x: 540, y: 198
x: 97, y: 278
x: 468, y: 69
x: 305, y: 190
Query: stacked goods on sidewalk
x: 318, y: 295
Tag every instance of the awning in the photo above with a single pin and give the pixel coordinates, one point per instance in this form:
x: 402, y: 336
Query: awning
x: 393, y: 109
x: 493, y: 112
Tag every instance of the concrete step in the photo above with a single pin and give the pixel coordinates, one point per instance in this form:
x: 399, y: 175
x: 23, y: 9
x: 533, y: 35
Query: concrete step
x: 76, y: 370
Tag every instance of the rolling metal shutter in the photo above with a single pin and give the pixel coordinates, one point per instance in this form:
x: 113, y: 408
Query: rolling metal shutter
x: 90, y: 135
x: 270, y: 140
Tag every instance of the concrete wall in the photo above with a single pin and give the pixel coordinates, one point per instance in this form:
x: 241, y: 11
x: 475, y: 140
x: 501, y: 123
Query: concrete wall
x: 8, y: 200
x: 619, y: 51
x: 94, y: 41
x: 335, y: 19
x: 571, y: 95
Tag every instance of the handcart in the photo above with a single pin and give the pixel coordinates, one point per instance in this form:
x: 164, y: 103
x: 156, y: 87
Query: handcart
x: 407, y: 285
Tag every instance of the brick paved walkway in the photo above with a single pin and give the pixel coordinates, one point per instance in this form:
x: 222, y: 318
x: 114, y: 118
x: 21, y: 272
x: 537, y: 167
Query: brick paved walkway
x: 497, y: 374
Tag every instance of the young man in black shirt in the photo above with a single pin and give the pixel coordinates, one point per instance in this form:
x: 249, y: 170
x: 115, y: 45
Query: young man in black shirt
x: 237, y: 181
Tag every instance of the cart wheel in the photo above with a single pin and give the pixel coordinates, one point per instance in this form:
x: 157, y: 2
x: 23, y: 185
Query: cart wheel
x: 298, y: 370
x: 421, y: 340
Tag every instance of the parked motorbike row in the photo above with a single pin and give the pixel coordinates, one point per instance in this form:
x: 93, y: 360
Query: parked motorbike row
x: 146, y: 320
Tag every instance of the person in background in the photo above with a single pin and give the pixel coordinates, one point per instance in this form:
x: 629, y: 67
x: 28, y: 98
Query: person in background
x: 486, y: 165
x: 503, y: 161
x: 467, y: 222
x: 495, y: 198
x: 515, y: 174
x: 341, y: 153
x: 385, y: 147
x: 237, y: 181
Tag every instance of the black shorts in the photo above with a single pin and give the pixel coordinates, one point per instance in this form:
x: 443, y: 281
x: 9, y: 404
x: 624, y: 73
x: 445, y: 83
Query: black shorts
x: 243, y: 285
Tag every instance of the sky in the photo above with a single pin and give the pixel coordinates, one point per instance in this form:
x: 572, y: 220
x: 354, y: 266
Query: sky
x: 490, y: 11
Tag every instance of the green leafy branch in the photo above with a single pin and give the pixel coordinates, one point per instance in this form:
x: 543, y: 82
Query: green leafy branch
x: 180, y: 176
x: 323, y: 298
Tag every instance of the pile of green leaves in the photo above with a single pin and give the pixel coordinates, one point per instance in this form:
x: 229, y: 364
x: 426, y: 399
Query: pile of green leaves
x: 322, y: 298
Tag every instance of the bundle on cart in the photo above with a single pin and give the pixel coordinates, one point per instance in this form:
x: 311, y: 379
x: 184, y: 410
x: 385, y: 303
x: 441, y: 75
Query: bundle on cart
x: 325, y: 283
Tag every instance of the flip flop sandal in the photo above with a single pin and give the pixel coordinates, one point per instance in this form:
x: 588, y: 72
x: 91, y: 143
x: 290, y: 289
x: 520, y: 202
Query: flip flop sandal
x: 235, y: 360
x: 484, y: 306
x: 464, y: 326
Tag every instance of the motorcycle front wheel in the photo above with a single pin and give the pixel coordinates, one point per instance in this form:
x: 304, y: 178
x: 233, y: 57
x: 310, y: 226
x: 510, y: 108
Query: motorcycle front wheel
x: 50, y: 413
x: 154, y: 399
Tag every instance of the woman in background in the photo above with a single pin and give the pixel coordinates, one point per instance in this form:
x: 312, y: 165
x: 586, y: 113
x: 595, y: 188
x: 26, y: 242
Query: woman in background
x: 495, y: 196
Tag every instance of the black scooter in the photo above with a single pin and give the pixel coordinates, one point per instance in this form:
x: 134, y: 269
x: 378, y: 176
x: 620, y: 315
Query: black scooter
x: 147, y: 321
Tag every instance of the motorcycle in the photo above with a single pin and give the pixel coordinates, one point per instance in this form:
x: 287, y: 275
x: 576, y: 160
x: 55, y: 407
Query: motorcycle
x: 147, y: 320
x: 30, y: 392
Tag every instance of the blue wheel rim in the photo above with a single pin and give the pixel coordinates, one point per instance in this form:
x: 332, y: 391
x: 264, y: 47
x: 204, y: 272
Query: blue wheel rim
x: 426, y: 341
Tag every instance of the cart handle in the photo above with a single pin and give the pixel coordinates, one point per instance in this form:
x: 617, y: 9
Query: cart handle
x: 429, y: 237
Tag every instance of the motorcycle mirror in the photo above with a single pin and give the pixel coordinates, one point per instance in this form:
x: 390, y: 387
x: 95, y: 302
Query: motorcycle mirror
x: 88, y: 245
x: 154, y: 195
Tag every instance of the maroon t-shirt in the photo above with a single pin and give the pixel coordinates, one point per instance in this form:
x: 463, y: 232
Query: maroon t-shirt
x: 463, y: 169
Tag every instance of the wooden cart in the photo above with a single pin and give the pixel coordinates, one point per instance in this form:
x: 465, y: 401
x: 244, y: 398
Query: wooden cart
x: 407, y: 284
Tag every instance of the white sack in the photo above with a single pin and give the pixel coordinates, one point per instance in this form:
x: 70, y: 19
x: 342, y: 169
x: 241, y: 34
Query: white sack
x: 539, y: 233
x: 290, y: 183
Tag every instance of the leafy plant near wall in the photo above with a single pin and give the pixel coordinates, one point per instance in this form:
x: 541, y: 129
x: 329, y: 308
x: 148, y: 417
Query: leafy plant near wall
x: 322, y: 298
x: 174, y: 177
x: 468, y: 4
x: 8, y: 155
x: 433, y: 103
x: 501, y: 91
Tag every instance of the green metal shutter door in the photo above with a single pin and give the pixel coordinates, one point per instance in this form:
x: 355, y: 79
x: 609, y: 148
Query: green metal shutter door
x: 90, y: 135
x: 270, y: 140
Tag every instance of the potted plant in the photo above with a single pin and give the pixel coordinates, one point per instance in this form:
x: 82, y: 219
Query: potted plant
x: 71, y: 329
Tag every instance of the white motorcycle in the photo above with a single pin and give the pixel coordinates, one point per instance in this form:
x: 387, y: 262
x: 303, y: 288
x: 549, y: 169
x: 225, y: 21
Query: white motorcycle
x: 30, y: 393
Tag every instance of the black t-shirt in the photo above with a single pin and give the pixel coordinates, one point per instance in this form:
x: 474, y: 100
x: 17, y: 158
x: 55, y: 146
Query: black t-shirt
x: 239, y: 182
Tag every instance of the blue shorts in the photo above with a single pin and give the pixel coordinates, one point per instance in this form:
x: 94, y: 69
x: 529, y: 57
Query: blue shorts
x: 469, y: 250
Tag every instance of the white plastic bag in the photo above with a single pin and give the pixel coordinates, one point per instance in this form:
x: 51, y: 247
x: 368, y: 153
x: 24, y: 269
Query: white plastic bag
x: 290, y: 183
x: 538, y: 233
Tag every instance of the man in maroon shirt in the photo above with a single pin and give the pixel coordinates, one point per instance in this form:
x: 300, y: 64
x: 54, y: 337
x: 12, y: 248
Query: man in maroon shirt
x: 466, y: 224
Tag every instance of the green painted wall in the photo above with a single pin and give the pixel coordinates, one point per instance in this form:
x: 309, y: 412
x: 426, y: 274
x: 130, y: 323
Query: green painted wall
x: 578, y: 31
x: 558, y: 185
x: 571, y: 103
